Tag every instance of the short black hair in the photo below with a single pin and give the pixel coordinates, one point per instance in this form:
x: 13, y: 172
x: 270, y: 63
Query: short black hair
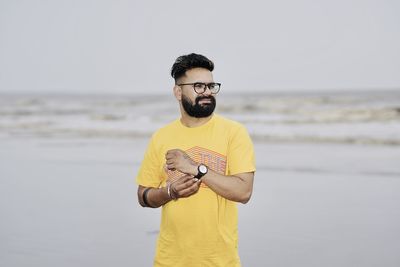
x: 187, y: 62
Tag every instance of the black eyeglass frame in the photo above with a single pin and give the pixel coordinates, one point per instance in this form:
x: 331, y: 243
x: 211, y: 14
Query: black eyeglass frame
x: 205, y: 86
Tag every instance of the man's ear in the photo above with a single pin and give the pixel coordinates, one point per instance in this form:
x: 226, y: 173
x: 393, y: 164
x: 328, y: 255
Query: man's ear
x: 178, y: 92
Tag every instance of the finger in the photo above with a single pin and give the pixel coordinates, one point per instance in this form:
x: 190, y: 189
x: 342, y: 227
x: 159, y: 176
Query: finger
x: 190, y: 190
x: 170, y: 164
x: 182, y: 184
x: 171, y: 167
x: 184, y: 179
x: 172, y: 151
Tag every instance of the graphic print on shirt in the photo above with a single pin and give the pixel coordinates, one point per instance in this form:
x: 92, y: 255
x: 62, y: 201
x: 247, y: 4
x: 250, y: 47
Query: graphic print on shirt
x: 213, y: 160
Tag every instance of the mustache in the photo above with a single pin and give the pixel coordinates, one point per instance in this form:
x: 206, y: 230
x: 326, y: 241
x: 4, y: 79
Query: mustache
x: 199, y: 98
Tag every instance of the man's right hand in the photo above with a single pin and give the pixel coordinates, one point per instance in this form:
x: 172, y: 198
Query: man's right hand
x: 185, y: 186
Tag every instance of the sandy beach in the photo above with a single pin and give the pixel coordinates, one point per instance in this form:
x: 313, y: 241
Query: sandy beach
x: 72, y: 202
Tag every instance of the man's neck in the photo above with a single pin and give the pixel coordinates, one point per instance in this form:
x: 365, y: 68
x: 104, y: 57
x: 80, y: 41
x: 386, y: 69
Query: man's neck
x: 191, y: 122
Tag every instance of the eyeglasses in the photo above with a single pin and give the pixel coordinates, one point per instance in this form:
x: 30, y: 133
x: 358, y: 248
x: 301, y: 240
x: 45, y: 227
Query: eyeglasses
x: 201, y: 87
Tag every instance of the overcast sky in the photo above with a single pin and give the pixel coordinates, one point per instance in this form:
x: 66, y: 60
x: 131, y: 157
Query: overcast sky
x: 125, y: 46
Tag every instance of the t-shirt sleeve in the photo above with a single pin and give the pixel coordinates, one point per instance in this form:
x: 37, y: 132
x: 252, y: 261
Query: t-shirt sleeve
x: 240, y: 152
x: 150, y: 174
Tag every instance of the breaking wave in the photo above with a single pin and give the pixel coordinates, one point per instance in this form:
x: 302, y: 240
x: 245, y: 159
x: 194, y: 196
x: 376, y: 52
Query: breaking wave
x: 348, y: 118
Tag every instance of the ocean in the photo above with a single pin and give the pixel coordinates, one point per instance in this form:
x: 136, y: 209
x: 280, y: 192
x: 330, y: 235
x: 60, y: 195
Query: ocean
x: 354, y: 117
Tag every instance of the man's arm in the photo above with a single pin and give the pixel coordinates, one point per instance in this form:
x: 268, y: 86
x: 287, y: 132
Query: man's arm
x: 156, y: 197
x: 238, y: 187
x: 185, y: 186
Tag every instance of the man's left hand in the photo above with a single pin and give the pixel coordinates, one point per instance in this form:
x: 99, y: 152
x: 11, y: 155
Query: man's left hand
x: 177, y: 159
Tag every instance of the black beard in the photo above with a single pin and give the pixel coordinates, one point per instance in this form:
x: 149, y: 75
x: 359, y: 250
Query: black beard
x: 197, y: 110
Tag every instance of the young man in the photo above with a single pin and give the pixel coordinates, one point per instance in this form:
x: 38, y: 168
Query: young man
x: 197, y: 168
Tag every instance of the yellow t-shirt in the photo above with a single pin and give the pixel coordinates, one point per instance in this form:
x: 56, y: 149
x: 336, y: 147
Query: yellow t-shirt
x: 200, y: 230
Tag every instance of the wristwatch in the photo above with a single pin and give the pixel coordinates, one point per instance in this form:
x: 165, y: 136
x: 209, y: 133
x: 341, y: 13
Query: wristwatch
x: 201, y: 171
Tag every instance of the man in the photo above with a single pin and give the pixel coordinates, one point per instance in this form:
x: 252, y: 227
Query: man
x: 197, y: 168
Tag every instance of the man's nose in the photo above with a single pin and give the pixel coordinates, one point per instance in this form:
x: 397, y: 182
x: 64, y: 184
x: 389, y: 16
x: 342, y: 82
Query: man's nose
x: 207, y: 91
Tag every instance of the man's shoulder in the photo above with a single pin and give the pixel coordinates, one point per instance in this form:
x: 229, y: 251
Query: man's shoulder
x: 166, y: 129
x: 232, y: 128
x: 226, y: 122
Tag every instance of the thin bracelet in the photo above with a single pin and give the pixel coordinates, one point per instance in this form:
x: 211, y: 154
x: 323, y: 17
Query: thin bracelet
x: 169, y: 192
x: 144, y: 196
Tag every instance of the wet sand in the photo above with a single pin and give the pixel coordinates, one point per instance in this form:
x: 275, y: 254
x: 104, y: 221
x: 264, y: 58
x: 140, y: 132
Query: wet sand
x: 73, y: 202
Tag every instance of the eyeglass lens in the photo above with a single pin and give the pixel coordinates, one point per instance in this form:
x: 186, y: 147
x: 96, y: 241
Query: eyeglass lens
x: 201, y: 87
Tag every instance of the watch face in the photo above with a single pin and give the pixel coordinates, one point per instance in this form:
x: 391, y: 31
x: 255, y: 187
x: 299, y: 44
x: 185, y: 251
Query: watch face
x: 203, y: 169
